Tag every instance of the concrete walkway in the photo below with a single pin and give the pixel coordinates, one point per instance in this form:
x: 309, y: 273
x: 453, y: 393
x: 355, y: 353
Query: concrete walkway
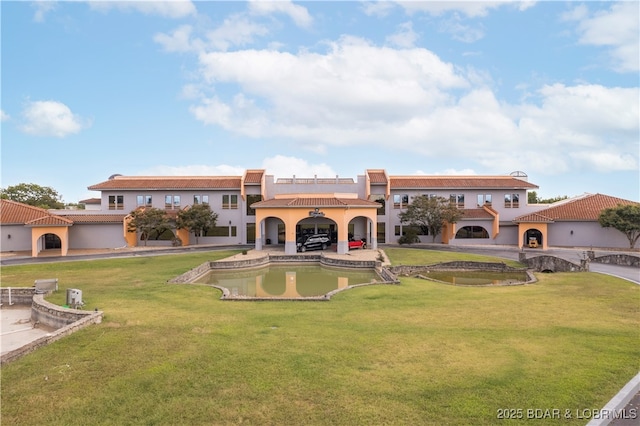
x: 16, y: 328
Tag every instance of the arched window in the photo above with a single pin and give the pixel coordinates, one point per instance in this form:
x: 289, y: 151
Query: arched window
x: 472, y: 232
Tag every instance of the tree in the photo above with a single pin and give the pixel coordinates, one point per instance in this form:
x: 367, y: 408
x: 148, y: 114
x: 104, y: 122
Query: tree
x: 197, y: 219
x: 430, y: 214
x: 625, y: 218
x: 148, y: 221
x: 34, y: 195
x: 532, y: 198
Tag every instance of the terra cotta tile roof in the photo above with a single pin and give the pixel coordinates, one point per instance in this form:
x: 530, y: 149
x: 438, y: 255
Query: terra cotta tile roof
x: 50, y: 220
x: 12, y: 212
x: 587, y: 207
x: 96, y: 218
x: 378, y: 177
x: 446, y: 182
x: 253, y: 176
x: 170, y: 183
x: 476, y: 214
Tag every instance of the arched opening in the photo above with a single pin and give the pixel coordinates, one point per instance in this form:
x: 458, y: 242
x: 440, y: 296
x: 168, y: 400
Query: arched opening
x: 317, y: 225
x: 533, y: 238
x: 316, y: 233
x: 472, y: 232
x: 52, y: 241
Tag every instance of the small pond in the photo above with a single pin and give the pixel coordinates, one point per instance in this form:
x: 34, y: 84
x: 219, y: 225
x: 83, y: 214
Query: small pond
x: 478, y: 277
x: 287, y: 281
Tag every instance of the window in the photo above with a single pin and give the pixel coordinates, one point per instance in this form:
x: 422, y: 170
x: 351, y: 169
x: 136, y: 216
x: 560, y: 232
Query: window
x: 511, y: 201
x: 484, y: 200
x: 221, y: 231
x: 417, y: 230
x: 457, y: 200
x: 116, y: 202
x: 229, y: 202
x: 251, y: 233
x: 171, y: 201
x: 200, y: 199
x: 381, y: 232
x: 250, y: 200
x: 143, y: 200
x: 400, y: 201
x: 472, y: 232
x: 380, y: 200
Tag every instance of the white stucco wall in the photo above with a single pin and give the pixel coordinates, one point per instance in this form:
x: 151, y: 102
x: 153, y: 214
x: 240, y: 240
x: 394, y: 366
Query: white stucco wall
x: 20, y: 238
x: 92, y: 236
x: 585, y: 234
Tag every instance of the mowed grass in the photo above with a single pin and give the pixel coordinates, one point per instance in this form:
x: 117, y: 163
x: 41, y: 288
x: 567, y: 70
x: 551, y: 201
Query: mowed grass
x: 417, y: 353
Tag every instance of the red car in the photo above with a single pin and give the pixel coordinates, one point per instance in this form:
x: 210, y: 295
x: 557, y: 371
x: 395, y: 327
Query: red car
x: 357, y: 244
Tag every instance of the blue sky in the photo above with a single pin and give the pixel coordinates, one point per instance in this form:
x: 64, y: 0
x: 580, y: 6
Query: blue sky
x: 550, y: 88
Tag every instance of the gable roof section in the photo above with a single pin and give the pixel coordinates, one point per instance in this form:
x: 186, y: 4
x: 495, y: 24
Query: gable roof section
x: 377, y: 177
x: 96, y: 218
x: 253, y: 177
x: 476, y: 214
x: 471, y: 182
x: 583, y: 208
x: 314, y: 202
x: 14, y: 213
x: 168, y: 183
x: 91, y: 201
x: 50, y: 220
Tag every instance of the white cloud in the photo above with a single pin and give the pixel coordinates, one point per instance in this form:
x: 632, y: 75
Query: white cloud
x: 462, y: 32
x: 4, y: 116
x: 42, y: 8
x: 236, y: 30
x: 299, y: 14
x: 471, y: 9
x: 179, y: 40
x: 404, y: 37
x: 283, y: 166
x: 377, y: 8
x: 410, y: 101
x: 51, y: 118
x: 606, y: 161
x: 617, y: 28
x: 167, y: 9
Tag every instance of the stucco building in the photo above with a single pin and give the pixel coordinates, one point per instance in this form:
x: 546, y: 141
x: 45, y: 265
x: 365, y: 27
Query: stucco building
x: 259, y: 210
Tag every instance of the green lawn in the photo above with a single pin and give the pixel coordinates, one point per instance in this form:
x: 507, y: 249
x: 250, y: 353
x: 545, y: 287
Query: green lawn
x: 417, y: 353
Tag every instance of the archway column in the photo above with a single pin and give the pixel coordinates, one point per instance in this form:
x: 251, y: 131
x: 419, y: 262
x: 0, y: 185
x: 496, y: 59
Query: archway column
x: 36, y: 238
x: 523, y: 227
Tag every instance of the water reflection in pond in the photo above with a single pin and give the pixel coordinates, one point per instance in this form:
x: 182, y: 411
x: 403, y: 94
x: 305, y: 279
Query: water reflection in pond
x: 287, y: 281
x: 478, y: 277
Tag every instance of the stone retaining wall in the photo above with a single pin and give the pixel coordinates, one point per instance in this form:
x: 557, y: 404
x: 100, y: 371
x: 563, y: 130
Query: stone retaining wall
x: 19, y: 295
x: 618, y: 259
x: 408, y: 270
x: 554, y: 264
x: 66, y: 321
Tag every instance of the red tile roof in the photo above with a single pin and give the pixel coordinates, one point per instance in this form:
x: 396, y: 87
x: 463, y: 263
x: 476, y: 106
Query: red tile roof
x: 476, y: 214
x: 584, y: 208
x: 253, y: 176
x: 169, y: 183
x: 14, y: 213
x: 91, y: 201
x: 96, y: 218
x: 50, y: 220
x: 445, y: 182
x: 315, y: 202
x: 377, y: 177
